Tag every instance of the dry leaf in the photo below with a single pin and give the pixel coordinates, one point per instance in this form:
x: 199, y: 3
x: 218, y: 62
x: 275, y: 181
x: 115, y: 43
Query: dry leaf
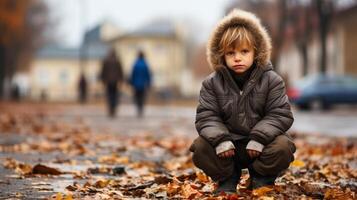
x: 172, y: 189
x: 189, y: 193
x: 59, y: 196
x: 101, y: 183
x: 113, y: 159
x: 297, y: 163
x: 202, y: 177
x: 261, y: 191
x: 337, y: 194
x: 42, y: 169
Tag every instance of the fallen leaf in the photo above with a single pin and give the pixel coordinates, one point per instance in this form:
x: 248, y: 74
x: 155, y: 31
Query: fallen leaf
x: 59, y: 196
x: 337, y: 194
x: 69, y: 197
x: 189, y: 193
x: 172, y: 189
x: 42, y: 169
x: 101, y: 183
x: 202, y: 177
x: 261, y: 191
x: 297, y: 163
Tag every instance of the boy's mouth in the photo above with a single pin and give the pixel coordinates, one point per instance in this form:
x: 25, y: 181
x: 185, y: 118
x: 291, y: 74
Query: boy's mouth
x: 238, y: 66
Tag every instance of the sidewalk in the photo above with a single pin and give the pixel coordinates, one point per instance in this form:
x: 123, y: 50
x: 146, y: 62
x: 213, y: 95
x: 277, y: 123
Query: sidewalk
x: 76, y: 151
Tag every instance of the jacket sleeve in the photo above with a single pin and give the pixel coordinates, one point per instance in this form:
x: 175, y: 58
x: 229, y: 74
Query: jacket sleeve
x: 278, y: 116
x: 208, y: 123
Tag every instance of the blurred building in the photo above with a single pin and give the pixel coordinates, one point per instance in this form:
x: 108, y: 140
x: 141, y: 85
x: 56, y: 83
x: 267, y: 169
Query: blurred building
x: 341, y: 48
x: 55, y: 71
x: 165, y: 50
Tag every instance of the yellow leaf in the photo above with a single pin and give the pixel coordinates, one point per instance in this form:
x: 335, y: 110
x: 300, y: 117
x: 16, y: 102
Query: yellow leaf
x: 69, y: 196
x: 59, y: 196
x: 114, y: 159
x: 101, y: 183
x: 297, y: 163
x: 266, y: 198
x: 202, y: 177
x: 261, y: 191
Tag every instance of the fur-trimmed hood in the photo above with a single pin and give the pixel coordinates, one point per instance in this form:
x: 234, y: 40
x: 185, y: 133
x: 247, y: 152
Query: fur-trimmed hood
x: 250, y: 22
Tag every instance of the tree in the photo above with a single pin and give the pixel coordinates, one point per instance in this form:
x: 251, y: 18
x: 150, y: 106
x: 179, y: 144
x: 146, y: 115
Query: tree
x: 324, y: 9
x: 301, y: 23
x: 22, y: 25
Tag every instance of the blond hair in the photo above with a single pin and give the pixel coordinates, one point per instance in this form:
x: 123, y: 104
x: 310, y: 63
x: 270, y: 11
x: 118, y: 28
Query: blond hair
x: 234, y: 36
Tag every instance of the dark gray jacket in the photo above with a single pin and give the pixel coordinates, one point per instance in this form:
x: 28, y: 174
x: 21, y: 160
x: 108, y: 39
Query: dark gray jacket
x: 261, y: 111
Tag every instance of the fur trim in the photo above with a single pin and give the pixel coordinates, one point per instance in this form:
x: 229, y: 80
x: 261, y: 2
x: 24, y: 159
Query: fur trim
x: 249, y: 21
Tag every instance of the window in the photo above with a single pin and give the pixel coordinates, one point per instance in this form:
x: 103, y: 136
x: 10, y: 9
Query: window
x: 63, y: 77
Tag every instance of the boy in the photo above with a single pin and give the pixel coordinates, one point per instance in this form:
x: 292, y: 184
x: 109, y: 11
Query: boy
x: 243, y: 112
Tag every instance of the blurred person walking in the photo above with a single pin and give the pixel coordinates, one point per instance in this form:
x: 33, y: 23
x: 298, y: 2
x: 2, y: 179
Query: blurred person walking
x: 82, y: 89
x: 140, y: 80
x: 112, y: 76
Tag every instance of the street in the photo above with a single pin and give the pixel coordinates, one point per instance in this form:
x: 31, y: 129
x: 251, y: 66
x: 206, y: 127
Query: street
x: 341, y: 121
x: 88, y: 147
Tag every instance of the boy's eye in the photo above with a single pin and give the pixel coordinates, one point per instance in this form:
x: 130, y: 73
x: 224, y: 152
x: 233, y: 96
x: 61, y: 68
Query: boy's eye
x: 230, y: 53
x: 245, y: 51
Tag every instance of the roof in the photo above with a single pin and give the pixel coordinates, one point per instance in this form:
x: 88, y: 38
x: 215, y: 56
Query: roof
x: 158, y: 28
x: 58, y: 52
x: 93, y: 35
x: 94, y: 47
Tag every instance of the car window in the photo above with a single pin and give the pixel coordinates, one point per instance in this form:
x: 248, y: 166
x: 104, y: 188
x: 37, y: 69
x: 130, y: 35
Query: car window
x: 330, y: 81
x: 306, y: 82
x: 350, y: 81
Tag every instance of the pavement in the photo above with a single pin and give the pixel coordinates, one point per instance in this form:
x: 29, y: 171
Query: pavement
x: 159, y: 120
x: 339, y: 122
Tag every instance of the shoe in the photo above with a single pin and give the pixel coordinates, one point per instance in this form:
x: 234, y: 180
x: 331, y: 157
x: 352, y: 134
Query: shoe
x: 257, y: 180
x: 229, y: 186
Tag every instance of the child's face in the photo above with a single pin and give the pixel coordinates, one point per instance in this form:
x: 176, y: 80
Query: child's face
x: 239, y: 58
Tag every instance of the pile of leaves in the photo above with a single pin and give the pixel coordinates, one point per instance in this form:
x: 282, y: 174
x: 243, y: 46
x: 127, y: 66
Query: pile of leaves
x: 149, y: 166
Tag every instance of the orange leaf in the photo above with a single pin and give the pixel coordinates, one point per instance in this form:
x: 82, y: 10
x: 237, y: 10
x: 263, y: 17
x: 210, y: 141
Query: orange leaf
x: 189, y: 193
x: 261, y: 191
x: 297, y: 163
x: 202, y: 177
x: 172, y: 189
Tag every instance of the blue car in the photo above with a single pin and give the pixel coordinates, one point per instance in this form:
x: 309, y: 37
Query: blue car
x: 323, y: 91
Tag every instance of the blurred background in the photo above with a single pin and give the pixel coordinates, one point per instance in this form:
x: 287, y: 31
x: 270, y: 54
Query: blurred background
x: 45, y: 45
x: 53, y: 97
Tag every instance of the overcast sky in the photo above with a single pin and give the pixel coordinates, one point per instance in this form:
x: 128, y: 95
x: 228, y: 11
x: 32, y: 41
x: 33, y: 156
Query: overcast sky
x: 130, y: 14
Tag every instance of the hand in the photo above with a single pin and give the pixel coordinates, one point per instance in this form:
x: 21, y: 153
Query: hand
x: 227, y: 154
x: 253, y: 153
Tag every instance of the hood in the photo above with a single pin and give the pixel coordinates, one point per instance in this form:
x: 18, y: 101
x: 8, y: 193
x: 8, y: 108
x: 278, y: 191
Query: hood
x: 250, y: 22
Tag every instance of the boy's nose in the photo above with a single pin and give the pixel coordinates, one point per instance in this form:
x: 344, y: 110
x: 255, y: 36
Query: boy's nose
x: 237, y: 57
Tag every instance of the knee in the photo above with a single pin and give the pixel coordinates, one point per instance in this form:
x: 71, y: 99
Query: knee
x: 200, y: 145
x: 284, y: 146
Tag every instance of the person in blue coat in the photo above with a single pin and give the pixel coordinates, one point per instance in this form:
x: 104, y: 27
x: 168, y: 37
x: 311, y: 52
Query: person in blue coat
x: 140, y: 80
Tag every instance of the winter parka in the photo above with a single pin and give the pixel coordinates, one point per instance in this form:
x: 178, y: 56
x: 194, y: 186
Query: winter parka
x: 261, y: 111
x: 140, y: 77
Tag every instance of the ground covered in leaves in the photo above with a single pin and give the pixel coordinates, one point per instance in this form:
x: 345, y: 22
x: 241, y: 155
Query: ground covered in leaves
x: 68, y: 160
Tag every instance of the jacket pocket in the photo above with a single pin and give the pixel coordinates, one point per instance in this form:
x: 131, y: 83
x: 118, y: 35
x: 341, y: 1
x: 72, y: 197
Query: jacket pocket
x: 257, y: 103
x: 225, y: 104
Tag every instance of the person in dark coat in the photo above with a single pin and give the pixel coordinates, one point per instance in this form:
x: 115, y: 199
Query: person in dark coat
x: 140, y: 80
x: 112, y: 76
x: 82, y: 88
x: 243, y: 112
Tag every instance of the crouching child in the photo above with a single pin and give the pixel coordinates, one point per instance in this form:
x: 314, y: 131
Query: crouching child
x: 243, y: 112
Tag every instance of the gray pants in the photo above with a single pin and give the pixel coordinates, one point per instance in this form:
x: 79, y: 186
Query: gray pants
x: 274, y: 159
